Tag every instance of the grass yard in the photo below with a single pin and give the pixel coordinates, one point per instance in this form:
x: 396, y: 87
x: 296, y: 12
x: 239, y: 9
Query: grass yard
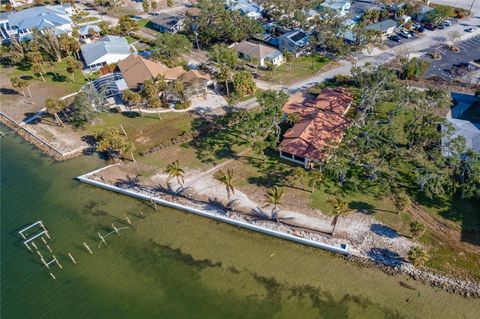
x: 56, y: 76
x: 299, y: 69
x: 148, y: 131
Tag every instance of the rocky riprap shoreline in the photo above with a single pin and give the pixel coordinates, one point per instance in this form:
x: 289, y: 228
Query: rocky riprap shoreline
x: 39, y: 142
x: 388, y: 264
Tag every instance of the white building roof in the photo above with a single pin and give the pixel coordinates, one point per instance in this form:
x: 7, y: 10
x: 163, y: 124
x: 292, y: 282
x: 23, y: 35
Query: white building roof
x: 40, y: 18
x: 95, y: 52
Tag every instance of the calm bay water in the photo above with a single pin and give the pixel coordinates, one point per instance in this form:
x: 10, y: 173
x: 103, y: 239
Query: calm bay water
x: 174, y: 265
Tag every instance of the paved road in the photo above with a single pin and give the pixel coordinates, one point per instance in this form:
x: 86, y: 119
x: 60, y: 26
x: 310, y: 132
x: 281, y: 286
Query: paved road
x: 460, y: 3
x: 417, y: 47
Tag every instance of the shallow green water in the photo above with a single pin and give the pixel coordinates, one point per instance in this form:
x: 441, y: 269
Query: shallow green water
x: 174, y: 265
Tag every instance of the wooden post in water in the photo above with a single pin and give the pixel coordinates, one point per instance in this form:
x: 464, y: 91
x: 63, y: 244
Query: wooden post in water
x: 39, y: 254
x: 35, y: 246
x: 53, y: 276
x: 73, y: 259
x: 115, y: 228
x: 88, y: 248
x: 154, y: 203
x: 142, y: 214
x: 128, y: 220
x: 101, y: 237
x: 56, y: 260
x: 49, y: 249
x: 28, y: 246
x: 44, y: 241
x: 45, y: 263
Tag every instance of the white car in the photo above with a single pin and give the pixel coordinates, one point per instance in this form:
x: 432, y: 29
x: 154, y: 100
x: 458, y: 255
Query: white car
x: 406, y: 34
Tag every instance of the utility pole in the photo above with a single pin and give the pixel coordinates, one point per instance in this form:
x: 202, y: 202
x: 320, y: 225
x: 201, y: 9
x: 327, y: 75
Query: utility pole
x: 471, y: 6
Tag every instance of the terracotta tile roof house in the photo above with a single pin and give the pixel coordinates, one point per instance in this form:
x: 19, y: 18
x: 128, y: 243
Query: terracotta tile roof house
x: 321, y: 126
x: 136, y: 70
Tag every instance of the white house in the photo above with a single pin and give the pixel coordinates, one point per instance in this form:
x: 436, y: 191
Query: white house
x: 21, y: 24
x: 248, y: 50
x: 109, y: 49
x: 246, y: 7
x: 341, y: 7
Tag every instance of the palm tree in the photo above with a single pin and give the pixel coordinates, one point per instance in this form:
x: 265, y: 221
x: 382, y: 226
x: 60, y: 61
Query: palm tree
x: 227, y: 178
x: 38, y: 70
x: 24, y: 84
x: 417, y: 256
x: 274, y: 197
x: 133, y: 99
x: 402, y: 201
x: 224, y: 74
x: 314, y: 177
x: 15, y: 84
x: 72, y: 66
x: 53, y: 107
x: 417, y: 229
x: 340, y: 207
x: 175, y: 171
x: 289, y: 58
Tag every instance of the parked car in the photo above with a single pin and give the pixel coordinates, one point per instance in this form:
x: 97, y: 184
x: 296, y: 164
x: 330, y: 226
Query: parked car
x: 441, y: 26
x: 405, y: 34
x: 447, y: 23
x: 395, y: 38
x: 429, y: 26
x: 469, y: 30
x: 421, y: 29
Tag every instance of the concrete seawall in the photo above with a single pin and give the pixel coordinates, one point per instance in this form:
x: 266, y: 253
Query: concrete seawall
x: 339, y: 250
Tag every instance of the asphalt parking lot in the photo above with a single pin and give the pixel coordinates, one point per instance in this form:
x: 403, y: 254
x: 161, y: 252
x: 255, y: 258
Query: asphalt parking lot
x: 469, y: 51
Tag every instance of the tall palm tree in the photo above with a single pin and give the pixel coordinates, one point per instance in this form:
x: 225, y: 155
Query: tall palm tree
x: 227, y: 178
x: 15, y: 84
x: 53, y: 107
x: 72, y: 66
x: 402, y: 201
x: 418, y: 256
x: 38, y: 70
x: 340, y: 207
x: 133, y: 99
x: 274, y: 197
x: 175, y: 171
x: 23, y: 84
x: 224, y: 74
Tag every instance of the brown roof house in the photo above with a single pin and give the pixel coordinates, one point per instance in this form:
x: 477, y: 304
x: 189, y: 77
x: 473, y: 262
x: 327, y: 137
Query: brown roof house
x: 136, y: 70
x: 321, y: 126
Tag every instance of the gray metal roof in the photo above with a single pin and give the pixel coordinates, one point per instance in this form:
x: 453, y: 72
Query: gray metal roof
x: 382, y: 26
x: 84, y: 29
x: 39, y: 18
x: 109, y: 44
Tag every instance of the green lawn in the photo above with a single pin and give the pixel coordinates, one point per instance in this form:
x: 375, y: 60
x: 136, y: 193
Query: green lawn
x: 57, y: 77
x: 300, y: 68
x: 147, y: 131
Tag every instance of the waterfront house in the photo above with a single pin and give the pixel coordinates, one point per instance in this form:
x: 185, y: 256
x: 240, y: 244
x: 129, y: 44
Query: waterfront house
x: 386, y: 27
x: 340, y: 7
x: 167, y: 23
x: 109, y: 49
x: 294, y: 41
x: 249, y: 50
x: 136, y: 70
x: 320, y: 128
x: 21, y: 24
